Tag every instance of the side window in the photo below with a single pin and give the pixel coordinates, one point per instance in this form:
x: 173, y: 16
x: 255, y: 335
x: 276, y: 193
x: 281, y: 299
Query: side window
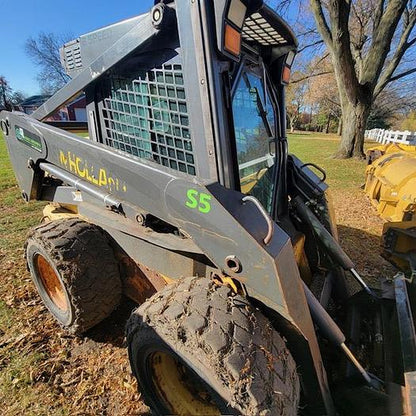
x: 147, y: 116
x: 254, y: 124
x: 257, y: 83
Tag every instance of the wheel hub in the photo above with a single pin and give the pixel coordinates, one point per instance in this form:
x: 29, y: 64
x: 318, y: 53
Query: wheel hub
x: 180, y: 389
x: 51, y: 282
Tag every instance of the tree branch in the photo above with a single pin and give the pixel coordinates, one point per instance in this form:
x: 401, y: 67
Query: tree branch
x: 378, y: 13
x: 307, y: 33
x: 402, y: 75
x: 318, y: 42
x: 338, y: 105
x: 411, y: 42
x: 295, y: 81
x: 343, y: 60
x: 401, y: 49
x: 381, y: 42
x: 322, y: 25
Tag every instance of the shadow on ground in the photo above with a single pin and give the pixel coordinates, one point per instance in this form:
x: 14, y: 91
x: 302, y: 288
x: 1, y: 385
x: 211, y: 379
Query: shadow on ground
x: 112, y: 329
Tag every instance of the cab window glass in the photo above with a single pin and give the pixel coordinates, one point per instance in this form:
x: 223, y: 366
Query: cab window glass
x: 254, y: 125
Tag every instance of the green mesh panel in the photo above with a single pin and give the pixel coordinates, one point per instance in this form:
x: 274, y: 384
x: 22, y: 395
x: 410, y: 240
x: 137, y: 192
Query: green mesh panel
x: 147, y: 117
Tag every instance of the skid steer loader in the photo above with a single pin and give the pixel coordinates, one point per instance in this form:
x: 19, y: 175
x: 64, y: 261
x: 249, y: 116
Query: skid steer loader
x: 183, y: 196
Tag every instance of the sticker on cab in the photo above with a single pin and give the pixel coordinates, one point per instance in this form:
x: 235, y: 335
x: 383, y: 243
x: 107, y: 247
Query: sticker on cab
x: 198, y: 200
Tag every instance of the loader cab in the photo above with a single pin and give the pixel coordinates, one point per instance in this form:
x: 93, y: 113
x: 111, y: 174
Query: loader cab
x: 202, y: 97
x: 255, y: 49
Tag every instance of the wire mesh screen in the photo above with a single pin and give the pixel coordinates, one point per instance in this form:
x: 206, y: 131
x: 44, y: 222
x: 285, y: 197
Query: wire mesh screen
x: 257, y: 29
x: 147, y: 116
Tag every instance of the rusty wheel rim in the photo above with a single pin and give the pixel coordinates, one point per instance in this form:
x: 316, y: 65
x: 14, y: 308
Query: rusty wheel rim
x: 180, y: 390
x: 51, y: 283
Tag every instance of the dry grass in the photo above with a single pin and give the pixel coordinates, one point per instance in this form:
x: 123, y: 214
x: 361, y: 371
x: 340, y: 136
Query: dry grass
x: 44, y: 371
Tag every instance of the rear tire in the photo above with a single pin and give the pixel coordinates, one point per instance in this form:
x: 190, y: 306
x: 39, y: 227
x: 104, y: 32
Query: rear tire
x: 75, y: 272
x: 226, y: 354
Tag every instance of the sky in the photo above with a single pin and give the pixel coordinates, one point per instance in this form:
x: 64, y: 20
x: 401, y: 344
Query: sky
x: 21, y: 19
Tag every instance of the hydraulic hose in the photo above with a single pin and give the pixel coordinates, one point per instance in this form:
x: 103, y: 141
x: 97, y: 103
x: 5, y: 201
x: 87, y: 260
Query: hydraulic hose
x: 331, y: 331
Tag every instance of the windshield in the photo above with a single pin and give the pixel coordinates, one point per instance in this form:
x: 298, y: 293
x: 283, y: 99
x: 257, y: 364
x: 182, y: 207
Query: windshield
x: 254, y: 125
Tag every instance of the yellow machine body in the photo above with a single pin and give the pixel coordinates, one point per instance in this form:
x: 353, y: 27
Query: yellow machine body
x: 399, y: 244
x: 391, y: 185
x: 375, y: 152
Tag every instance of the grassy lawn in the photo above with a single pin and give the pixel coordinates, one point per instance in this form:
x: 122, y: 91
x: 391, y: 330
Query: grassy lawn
x: 43, y: 371
x: 318, y: 149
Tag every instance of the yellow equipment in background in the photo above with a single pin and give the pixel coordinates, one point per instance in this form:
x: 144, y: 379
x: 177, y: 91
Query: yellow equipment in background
x: 399, y: 244
x: 391, y: 187
x: 376, y: 151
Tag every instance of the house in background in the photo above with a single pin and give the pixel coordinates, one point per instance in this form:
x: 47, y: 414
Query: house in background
x: 77, y: 109
x: 74, y: 111
x: 32, y: 103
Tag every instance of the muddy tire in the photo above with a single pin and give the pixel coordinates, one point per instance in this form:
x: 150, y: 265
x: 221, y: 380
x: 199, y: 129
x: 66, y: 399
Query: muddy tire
x: 228, y: 357
x: 75, y: 272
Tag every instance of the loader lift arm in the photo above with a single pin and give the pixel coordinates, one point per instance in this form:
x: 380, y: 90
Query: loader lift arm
x: 145, y: 28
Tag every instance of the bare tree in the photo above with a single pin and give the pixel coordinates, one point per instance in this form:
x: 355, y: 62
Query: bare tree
x: 44, y: 52
x: 5, y: 91
x: 9, y: 99
x: 17, y: 97
x: 322, y: 92
x: 295, y: 100
x: 368, y: 41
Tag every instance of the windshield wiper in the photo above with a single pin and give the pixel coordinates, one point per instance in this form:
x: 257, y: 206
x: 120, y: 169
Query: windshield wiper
x: 260, y: 107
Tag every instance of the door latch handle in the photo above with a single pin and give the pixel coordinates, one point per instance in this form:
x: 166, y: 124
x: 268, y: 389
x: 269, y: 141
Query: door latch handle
x: 266, y: 216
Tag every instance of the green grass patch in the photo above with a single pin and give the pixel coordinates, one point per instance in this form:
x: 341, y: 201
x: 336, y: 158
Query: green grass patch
x: 16, y: 215
x: 6, y: 173
x: 6, y: 317
x: 19, y: 387
x: 319, y: 149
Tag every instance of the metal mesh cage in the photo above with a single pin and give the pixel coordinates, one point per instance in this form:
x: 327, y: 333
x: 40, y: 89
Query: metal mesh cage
x: 147, y: 116
x: 257, y: 29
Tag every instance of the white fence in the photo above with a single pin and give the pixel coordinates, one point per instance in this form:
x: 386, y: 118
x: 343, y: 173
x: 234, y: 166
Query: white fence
x: 391, y: 136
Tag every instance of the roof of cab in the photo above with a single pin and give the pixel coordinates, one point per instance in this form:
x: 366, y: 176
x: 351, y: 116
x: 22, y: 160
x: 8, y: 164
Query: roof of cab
x: 266, y: 28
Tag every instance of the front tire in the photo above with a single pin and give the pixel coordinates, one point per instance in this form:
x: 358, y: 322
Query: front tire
x: 197, y: 348
x: 75, y: 272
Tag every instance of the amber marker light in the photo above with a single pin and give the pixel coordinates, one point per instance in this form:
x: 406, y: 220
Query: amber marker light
x: 232, y: 41
x: 286, y: 75
x: 288, y: 65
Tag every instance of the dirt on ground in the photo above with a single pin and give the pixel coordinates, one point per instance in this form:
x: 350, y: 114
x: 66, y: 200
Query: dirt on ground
x: 45, y: 371
x: 359, y: 231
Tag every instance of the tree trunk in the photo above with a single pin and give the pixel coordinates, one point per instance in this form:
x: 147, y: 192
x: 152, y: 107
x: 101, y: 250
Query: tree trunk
x: 339, y: 130
x: 292, y: 124
x: 328, y: 122
x: 353, y: 128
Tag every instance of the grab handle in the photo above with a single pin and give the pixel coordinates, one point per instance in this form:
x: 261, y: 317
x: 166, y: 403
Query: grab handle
x: 318, y: 168
x: 266, y: 216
